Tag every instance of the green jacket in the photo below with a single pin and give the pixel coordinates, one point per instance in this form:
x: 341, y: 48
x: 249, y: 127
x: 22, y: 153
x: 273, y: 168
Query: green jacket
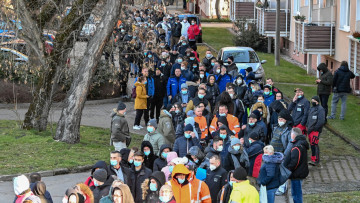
x: 165, y: 127
x: 156, y: 139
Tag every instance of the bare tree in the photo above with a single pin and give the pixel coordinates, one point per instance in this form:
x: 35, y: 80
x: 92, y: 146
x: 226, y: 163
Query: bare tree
x: 217, y: 9
x: 68, y: 129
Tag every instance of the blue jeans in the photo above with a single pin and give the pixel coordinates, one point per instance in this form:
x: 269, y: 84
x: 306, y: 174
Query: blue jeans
x: 335, y: 100
x: 296, y: 191
x: 271, y: 195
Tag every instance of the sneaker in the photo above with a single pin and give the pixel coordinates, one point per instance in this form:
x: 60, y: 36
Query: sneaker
x: 331, y: 117
x: 312, y: 163
x: 136, y: 127
x: 279, y: 193
x: 140, y: 127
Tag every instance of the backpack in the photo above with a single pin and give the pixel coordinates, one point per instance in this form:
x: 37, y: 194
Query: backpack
x: 284, y: 175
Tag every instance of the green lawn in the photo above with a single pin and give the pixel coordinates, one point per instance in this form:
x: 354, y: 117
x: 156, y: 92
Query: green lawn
x: 338, y: 197
x: 289, y: 73
x: 25, y: 151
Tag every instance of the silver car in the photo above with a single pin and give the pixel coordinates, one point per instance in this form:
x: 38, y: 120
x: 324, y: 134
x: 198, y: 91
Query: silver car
x: 244, y: 57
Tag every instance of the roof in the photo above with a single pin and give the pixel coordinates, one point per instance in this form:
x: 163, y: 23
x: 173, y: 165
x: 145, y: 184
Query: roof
x: 237, y: 49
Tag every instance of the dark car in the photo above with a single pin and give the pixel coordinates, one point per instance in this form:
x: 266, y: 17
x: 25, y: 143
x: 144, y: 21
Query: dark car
x: 191, y: 17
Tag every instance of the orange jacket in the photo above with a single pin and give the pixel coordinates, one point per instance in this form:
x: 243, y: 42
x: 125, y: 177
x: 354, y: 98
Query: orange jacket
x: 232, y: 121
x: 194, y: 191
x: 201, y: 120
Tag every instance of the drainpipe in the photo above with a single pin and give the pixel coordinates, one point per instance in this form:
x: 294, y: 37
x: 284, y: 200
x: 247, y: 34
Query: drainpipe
x: 318, y: 61
x: 310, y: 11
x: 331, y: 30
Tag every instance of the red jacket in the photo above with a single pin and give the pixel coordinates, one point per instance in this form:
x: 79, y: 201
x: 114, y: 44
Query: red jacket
x: 193, y: 31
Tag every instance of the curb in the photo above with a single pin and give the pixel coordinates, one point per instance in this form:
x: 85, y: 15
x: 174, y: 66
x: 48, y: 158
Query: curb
x: 55, y: 172
x: 337, y: 133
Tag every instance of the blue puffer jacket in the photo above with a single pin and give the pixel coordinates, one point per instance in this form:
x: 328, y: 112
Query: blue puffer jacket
x: 174, y: 85
x: 182, y: 145
x: 270, y: 171
x: 269, y: 99
x: 187, y: 74
x: 150, y: 86
x: 222, y: 80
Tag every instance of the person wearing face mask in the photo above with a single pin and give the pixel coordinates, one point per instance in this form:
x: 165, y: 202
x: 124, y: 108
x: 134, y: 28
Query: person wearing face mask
x: 274, y: 110
x: 102, y: 183
x: 159, y: 94
x: 174, y: 84
x: 281, y: 133
x: 255, y: 152
x: 232, y: 68
x: 165, y: 126
x: 268, y: 95
x: 250, y: 75
x: 215, y: 177
x: 251, y: 127
x: 185, y: 71
x: 242, y: 190
x: 139, y: 173
x: 175, y: 32
x: 161, y: 162
x: 225, y: 134
x: 199, y: 97
x: 193, y: 31
x: 183, y: 47
x: 141, y: 102
x: 197, y: 156
x: 184, y: 27
x: 184, y: 143
x: 154, y: 137
x: 260, y: 122
x: 239, y: 107
x: 240, y: 87
x: 299, y: 108
x: 233, y: 122
x: 213, y: 89
x: 98, y: 165
x: 116, y: 170
x: 151, y: 187
x: 168, y: 169
x: 223, y: 79
x: 166, y: 194
x: 149, y: 158
x: 207, y: 60
x: 236, y: 156
x: 120, y: 135
x: 119, y: 193
x: 224, y: 194
x: 314, y: 125
x: 215, y: 147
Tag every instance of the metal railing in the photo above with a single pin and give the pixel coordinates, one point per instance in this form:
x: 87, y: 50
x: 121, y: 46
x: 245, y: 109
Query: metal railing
x: 260, y: 19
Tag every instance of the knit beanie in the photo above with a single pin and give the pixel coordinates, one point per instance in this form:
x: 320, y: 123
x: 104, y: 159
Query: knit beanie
x: 254, y: 136
x: 235, y: 141
x: 188, y: 127
x: 121, y: 106
x: 153, y: 123
x: 100, y: 175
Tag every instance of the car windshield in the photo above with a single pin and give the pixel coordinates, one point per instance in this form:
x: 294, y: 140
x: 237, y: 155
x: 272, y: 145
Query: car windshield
x: 242, y: 56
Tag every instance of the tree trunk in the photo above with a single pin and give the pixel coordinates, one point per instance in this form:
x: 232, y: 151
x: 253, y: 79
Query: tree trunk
x: 217, y: 9
x: 277, y: 35
x: 68, y: 129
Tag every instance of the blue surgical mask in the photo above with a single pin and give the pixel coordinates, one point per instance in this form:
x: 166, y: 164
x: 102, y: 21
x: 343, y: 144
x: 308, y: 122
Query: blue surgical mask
x: 197, y: 161
x: 164, y: 154
x: 187, y: 136
x: 150, y: 129
x: 131, y: 161
x: 181, y: 181
x: 266, y: 93
x: 192, y: 58
x: 260, y: 101
x: 184, y: 91
x: 231, y: 182
x: 219, y: 148
x: 145, y: 82
x: 250, y: 141
x: 96, y: 183
x: 222, y: 114
x: 183, y: 44
x: 171, y: 168
x: 163, y: 64
x: 179, y: 60
x: 281, y: 123
x: 137, y: 163
x: 299, y: 97
x: 208, y: 55
x: 251, y: 124
x: 201, y: 96
x: 252, y: 90
x: 164, y: 199
x: 194, y: 66
x: 149, y: 56
x: 145, y: 53
x: 213, y: 64
x: 223, y: 136
x: 147, y: 153
x: 113, y: 162
x: 177, y: 111
x: 153, y: 187
x: 236, y: 148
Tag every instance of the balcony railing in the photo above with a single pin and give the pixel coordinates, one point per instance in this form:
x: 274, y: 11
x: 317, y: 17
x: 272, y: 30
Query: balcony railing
x: 354, y: 61
x: 315, y: 37
x: 266, y: 22
x: 242, y: 10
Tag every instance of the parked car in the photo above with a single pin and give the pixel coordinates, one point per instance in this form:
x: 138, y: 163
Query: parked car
x: 191, y: 17
x: 244, y: 57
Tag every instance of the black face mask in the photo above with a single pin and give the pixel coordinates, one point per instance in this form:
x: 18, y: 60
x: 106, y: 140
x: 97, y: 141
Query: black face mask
x: 314, y: 103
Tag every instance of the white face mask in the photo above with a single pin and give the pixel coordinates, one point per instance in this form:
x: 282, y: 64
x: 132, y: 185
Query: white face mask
x: 64, y: 200
x: 218, y: 71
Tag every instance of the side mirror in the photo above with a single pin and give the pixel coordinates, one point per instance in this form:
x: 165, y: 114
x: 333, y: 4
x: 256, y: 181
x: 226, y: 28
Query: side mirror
x: 263, y: 61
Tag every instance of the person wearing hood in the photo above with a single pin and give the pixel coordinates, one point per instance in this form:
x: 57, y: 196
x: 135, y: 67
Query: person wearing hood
x: 98, y: 165
x: 119, y: 192
x: 236, y: 156
x: 250, y: 75
x: 270, y: 172
x: 242, y: 190
x: 140, y: 173
x: 154, y: 137
x: 281, y: 133
x: 120, y: 128
x: 183, y: 97
x: 151, y: 187
x: 324, y: 83
x: 255, y: 153
x: 299, y: 108
x: 174, y: 84
x: 233, y: 122
x: 215, y: 147
x: 197, y: 156
x: 125, y: 158
x: 34, y: 178
x: 193, y: 64
x: 116, y: 170
x: 240, y: 87
x: 251, y: 127
x: 168, y: 169
x: 215, y: 177
x: 213, y: 90
x: 148, y: 150
x: 314, y: 125
x: 161, y: 162
x: 140, y: 102
x: 232, y: 68
x: 22, y: 190
x: 102, y: 183
x: 341, y: 88
x: 184, y: 143
x: 165, y: 126
x: 186, y: 188
x: 296, y: 162
x: 189, y: 120
x: 224, y: 194
x: 178, y: 115
x: 268, y: 95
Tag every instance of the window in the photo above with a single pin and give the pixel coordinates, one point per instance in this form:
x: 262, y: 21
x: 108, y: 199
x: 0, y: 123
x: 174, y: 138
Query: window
x: 306, y: 3
x: 357, y: 10
x: 296, y: 7
x: 345, y: 15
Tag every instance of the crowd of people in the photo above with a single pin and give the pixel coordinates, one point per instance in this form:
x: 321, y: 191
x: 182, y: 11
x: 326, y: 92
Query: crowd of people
x: 213, y: 134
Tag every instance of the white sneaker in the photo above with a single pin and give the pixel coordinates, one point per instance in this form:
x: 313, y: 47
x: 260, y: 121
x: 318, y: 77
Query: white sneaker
x: 140, y: 127
x: 136, y: 127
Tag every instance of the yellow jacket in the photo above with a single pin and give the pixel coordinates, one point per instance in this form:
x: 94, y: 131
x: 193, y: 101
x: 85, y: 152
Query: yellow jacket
x: 243, y: 192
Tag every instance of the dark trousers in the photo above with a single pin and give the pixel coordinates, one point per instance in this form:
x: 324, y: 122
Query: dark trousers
x: 324, y: 102
x: 155, y: 106
x: 192, y: 43
x: 139, y: 114
x: 174, y: 41
x: 184, y: 4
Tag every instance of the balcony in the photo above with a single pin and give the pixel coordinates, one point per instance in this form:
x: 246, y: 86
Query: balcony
x: 354, y: 62
x: 315, y: 38
x: 266, y: 21
x: 242, y: 9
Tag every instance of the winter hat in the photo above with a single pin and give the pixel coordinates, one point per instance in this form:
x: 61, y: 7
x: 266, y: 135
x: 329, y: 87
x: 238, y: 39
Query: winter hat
x: 121, y: 106
x: 100, y: 175
x: 21, y: 183
x: 188, y: 127
x: 190, y: 120
x: 235, y: 141
x: 184, y: 86
x: 254, y: 136
x: 170, y: 156
x: 240, y: 174
x: 257, y: 113
x: 152, y: 122
x: 322, y: 66
x: 190, y: 113
x: 249, y: 69
x: 285, y: 114
x: 316, y: 98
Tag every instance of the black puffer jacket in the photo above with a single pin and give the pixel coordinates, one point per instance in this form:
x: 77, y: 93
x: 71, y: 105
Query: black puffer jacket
x: 176, y: 30
x: 296, y: 160
x: 102, y: 190
x: 341, y: 82
x: 324, y: 87
x: 161, y: 162
x: 213, y: 91
x: 153, y: 196
x: 316, y: 119
x: 148, y: 160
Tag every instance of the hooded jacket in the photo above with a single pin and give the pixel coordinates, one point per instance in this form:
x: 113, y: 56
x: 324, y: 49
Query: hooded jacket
x: 157, y: 140
x: 161, y: 162
x: 152, y: 196
x: 215, y: 180
x: 296, y: 160
x: 182, y: 145
x: 198, y: 153
x: 125, y: 191
x: 102, y: 190
x: 165, y: 126
x: 255, y: 152
x: 141, y: 96
x: 119, y: 127
x: 316, y: 119
x: 326, y: 81
x: 125, y: 152
x: 224, y: 194
x: 299, y: 110
x: 240, y: 89
x: 235, y: 159
x: 100, y: 164
x: 213, y: 91
x: 148, y: 160
x: 341, y: 82
x: 270, y: 170
x: 250, y: 129
x: 166, y: 170
x: 189, y: 120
